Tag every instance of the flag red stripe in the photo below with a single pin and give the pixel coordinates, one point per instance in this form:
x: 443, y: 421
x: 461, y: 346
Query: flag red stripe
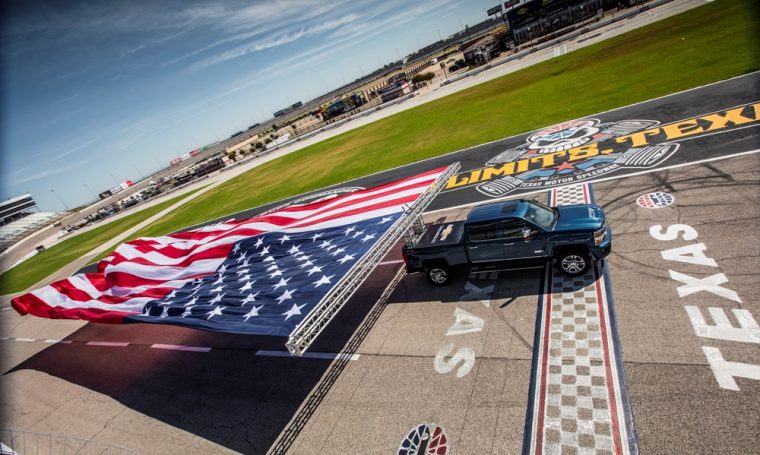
x: 31, y: 304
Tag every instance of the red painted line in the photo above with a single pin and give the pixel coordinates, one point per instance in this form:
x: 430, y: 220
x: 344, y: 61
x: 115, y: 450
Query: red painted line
x: 175, y: 347
x: 544, y: 364
x: 601, y: 301
x: 107, y: 343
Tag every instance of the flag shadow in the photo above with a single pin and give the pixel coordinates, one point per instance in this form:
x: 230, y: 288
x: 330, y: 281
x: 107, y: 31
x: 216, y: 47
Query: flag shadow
x: 229, y: 395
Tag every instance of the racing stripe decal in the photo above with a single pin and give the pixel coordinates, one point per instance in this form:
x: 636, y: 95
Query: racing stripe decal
x: 578, y: 400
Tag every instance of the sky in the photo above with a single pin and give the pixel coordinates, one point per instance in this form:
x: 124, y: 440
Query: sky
x: 98, y: 92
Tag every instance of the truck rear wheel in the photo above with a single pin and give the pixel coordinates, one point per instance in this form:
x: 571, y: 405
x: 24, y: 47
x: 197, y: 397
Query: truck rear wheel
x: 439, y: 275
x: 573, y: 262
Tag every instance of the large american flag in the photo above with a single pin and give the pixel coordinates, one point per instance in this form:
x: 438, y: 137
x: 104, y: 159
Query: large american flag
x: 261, y: 275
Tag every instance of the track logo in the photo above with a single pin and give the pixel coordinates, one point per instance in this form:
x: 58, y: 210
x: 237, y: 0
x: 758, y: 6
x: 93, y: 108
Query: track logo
x: 567, y: 153
x: 579, y: 150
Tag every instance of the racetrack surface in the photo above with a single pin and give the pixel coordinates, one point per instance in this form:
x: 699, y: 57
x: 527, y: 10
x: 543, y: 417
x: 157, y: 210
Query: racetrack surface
x: 130, y: 385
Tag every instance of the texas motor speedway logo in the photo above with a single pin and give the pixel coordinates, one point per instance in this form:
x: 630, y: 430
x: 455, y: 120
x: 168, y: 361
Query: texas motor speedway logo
x: 579, y: 150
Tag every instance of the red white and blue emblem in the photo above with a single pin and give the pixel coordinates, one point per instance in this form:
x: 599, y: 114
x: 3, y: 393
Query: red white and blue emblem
x: 425, y: 439
x: 656, y: 200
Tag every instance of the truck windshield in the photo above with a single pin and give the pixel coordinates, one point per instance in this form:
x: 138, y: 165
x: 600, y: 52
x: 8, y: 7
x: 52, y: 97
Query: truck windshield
x: 540, y: 215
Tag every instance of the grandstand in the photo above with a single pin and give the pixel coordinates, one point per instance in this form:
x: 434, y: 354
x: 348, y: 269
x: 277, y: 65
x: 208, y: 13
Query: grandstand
x: 18, y: 219
x: 536, y: 18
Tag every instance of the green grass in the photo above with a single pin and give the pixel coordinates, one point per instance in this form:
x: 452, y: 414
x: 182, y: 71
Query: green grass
x: 47, y: 262
x: 706, y: 44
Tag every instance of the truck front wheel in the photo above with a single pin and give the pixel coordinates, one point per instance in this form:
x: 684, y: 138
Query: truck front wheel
x: 439, y: 275
x: 573, y: 262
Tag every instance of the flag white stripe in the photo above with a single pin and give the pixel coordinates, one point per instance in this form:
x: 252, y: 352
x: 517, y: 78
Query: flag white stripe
x: 53, y: 298
x: 151, y: 272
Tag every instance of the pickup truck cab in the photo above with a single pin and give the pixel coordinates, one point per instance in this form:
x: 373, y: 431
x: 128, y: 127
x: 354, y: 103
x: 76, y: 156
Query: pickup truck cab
x: 512, y: 235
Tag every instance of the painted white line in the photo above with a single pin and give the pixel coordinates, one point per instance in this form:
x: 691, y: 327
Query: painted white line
x: 605, y: 179
x: 4, y: 338
x: 310, y: 355
x: 28, y: 340
x: 107, y: 343
x: 64, y: 342
x: 6, y: 308
x: 52, y: 340
x: 175, y: 347
x: 398, y: 261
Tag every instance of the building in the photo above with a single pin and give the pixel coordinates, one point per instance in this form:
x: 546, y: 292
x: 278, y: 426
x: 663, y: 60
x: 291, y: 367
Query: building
x: 19, y: 219
x: 482, y: 50
x: 16, y: 208
x: 239, y: 145
x: 392, y: 92
x: 533, y: 19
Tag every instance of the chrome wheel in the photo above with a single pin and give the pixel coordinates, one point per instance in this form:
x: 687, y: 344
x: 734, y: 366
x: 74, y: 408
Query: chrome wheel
x: 438, y: 276
x: 573, y: 264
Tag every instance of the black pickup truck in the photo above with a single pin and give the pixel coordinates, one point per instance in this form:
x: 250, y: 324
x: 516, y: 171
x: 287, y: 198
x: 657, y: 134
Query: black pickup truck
x: 512, y: 235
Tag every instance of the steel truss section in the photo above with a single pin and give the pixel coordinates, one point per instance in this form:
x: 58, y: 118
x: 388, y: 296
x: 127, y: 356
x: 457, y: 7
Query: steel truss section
x: 307, y: 331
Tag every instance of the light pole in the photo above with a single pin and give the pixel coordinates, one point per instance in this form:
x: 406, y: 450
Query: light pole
x: 138, y: 171
x: 90, y: 190
x: 59, y: 198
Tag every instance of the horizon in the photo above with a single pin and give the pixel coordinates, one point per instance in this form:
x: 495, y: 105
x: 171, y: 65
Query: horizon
x: 97, y: 94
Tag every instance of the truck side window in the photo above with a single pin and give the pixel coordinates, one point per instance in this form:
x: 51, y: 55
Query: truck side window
x: 483, y: 232
x: 512, y: 229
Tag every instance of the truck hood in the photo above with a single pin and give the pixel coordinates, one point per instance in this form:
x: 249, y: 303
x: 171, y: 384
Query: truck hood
x: 584, y: 217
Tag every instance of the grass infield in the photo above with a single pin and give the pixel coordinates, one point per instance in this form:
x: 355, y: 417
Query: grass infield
x: 706, y: 44
x: 36, y: 268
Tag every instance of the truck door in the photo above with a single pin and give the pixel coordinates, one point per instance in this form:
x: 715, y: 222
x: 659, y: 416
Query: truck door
x: 519, y: 246
x: 484, y: 242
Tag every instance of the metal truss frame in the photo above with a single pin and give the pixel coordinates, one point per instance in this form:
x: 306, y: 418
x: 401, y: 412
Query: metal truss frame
x: 307, y: 331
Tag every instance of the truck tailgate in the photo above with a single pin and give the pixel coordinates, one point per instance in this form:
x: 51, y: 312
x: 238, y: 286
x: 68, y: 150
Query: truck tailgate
x: 445, y: 234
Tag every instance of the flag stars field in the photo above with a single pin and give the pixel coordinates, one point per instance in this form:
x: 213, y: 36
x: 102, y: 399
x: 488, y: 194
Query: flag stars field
x: 295, y: 310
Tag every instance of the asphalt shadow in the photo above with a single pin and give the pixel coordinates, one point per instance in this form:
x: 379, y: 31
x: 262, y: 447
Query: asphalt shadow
x: 229, y: 395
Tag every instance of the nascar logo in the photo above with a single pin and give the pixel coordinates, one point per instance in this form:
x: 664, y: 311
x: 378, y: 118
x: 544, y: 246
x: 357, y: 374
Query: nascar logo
x: 656, y: 200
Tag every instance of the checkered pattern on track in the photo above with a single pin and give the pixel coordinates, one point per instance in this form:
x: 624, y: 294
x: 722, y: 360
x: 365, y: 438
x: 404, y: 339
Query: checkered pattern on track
x: 577, y: 405
x: 577, y: 411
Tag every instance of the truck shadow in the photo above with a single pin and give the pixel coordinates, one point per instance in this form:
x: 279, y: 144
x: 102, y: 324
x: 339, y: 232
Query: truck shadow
x: 502, y: 287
